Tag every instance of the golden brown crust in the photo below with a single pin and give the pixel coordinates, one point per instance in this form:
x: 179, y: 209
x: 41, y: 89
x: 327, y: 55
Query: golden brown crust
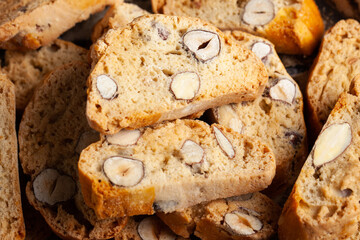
x: 296, y: 31
x: 35, y: 27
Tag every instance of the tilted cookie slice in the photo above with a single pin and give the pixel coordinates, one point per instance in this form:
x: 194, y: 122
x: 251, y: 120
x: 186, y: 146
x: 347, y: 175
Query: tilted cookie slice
x: 27, y: 69
x: 11, y: 215
x: 250, y: 216
x: 147, y: 228
x: 324, y: 203
x: 117, y: 16
x: 162, y: 68
x: 30, y: 24
x: 294, y: 27
x: 52, y: 134
x: 336, y: 65
x: 171, y: 166
x: 276, y: 116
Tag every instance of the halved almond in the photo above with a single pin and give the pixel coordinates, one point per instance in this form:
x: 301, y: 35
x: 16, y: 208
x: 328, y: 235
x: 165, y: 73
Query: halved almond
x: 124, y: 137
x: 224, y: 143
x: 185, y: 85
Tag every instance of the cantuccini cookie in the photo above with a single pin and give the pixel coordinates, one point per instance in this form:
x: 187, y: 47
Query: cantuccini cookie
x: 26, y: 24
x: 337, y: 63
x: 295, y: 27
x: 52, y: 134
x: 27, y: 69
x: 251, y: 216
x: 276, y: 117
x: 117, y: 16
x: 161, y: 68
x: 11, y: 215
x: 324, y: 203
x: 171, y: 166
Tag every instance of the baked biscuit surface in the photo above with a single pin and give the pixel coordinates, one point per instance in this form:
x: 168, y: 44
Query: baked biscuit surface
x: 162, y: 68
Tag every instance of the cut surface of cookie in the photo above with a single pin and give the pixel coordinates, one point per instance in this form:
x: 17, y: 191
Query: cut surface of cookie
x: 27, y: 69
x: 183, y: 156
x: 31, y: 24
x: 251, y: 216
x: 174, y: 73
x: 265, y: 116
x: 294, y: 27
x: 336, y: 65
x: 117, y: 16
x: 52, y: 134
x: 11, y: 214
x: 147, y: 228
x: 325, y: 199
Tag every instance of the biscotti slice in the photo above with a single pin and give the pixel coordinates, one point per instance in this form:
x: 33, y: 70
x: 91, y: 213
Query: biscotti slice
x: 26, y: 24
x: 250, y: 216
x: 294, y: 27
x: 163, y: 68
x: 52, y: 134
x: 336, y: 65
x: 324, y: 203
x: 27, y: 69
x: 276, y: 117
x: 11, y: 216
x: 117, y: 16
x: 170, y: 167
x: 147, y: 228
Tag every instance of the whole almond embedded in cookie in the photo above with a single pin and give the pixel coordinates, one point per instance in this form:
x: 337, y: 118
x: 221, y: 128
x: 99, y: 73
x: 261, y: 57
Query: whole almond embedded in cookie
x: 150, y: 228
x: 204, y: 44
x: 261, y: 49
x: 192, y: 152
x: 185, y: 85
x: 123, y: 171
x: 284, y: 90
x: 259, y: 12
x: 226, y: 116
x: 124, y: 137
x: 224, y: 143
x: 51, y: 187
x: 106, y: 86
x: 242, y: 223
x: 331, y: 143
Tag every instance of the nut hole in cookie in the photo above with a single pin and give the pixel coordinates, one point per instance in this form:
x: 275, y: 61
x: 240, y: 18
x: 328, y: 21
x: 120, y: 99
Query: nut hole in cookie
x: 266, y: 107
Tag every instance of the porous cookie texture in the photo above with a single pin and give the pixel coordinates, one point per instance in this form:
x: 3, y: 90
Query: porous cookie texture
x: 295, y: 27
x: 170, y: 167
x: 117, y: 16
x: 250, y: 216
x: 147, y: 228
x: 163, y: 68
x: 26, y: 24
x: 52, y: 134
x: 336, y: 65
x: 11, y: 215
x: 27, y: 69
x: 276, y: 116
x: 324, y: 203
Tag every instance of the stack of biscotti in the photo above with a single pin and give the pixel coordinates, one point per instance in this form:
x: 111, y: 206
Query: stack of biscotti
x: 52, y: 134
x: 337, y: 63
x: 294, y: 27
x: 324, y: 203
x: 28, y: 24
x: 27, y: 69
x: 279, y: 108
x: 11, y: 216
x: 177, y: 69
